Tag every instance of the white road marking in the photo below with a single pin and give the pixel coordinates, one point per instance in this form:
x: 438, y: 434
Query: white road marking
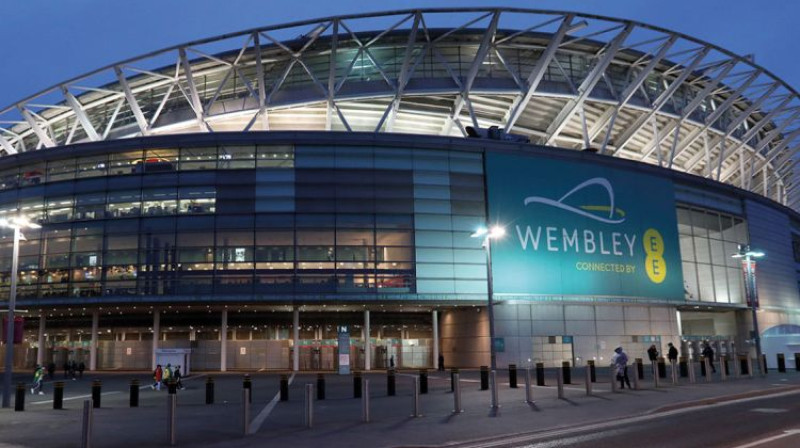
x: 785, y: 434
x: 77, y: 397
x: 255, y: 425
x: 769, y: 410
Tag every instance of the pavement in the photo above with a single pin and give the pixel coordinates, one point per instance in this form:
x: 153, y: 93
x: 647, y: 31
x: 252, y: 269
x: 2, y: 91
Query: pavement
x: 337, y: 420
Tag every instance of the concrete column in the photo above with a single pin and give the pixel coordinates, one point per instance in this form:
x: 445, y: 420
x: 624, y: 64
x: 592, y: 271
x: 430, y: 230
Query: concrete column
x: 367, y: 345
x: 156, y: 333
x: 223, y: 342
x: 93, y: 347
x: 42, y: 349
x: 296, y: 339
x: 435, y: 318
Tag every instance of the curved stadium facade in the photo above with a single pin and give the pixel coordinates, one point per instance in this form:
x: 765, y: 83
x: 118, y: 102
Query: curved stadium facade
x: 258, y: 199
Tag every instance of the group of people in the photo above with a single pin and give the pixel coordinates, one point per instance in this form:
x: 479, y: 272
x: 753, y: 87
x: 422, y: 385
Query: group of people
x: 620, y: 360
x: 73, y: 369
x: 165, y: 375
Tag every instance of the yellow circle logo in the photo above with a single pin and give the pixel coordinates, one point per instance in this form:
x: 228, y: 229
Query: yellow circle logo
x: 654, y: 263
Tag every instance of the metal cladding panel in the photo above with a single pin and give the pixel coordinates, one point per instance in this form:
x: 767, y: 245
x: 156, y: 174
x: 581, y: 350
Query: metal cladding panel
x: 776, y: 277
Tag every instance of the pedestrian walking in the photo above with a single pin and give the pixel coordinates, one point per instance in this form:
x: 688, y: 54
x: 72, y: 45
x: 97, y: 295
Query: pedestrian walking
x: 441, y: 362
x: 66, y: 369
x: 167, y: 375
x: 73, y: 368
x: 177, y: 375
x: 672, y: 353
x: 81, y: 368
x: 38, y: 379
x: 157, y: 376
x: 391, y: 362
x: 620, y: 362
x: 652, y: 354
x: 51, y: 370
x: 708, y: 353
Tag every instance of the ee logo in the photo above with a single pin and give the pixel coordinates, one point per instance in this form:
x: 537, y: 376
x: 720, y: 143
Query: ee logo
x: 654, y: 264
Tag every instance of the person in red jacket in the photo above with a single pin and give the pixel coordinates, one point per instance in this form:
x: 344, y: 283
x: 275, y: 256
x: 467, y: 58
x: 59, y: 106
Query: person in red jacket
x: 157, y: 376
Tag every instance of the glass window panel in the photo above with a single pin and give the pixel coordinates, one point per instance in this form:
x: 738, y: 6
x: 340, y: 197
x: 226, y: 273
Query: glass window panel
x: 355, y: 237
x: 87, y: 259
x: 315, y: 264
x: 117, y: 242
x: 728, y: 230
x: 358, y: 253
x: 9, y: 179
x: 731, y: 249
x: 195, y: 222
x: 87, y: 243
x: 355, y: 282
x: 195, y: 239
x: 196, y: 255
x: 275, y: 156
x: 698, y: 223
x: 402, y: 266
x: 122, y: 163
x: 721, y: 284
x: 92, y: 166
x: 718, y: 255
x: 121, y: 257
x: 742, y: 235
x: 197, y: 206
x: 235, y: 254
x: 736, y: 285
x: 714, y: 228
x: 318, y: 220
x: 204, y: 158
x: 395, y: 254
x: 157, y: 225
x: 274, y: 220
x: 156, y: 241
x: 315, y: 253
x: 384, y: 221
x: 394, y: 238
x: 57, y: 261
x: 32, y: 175
x: 702, y: 250
x: 60, y: 170
x: 311, y: 237
x: 395, y: 282
x: 705, y: 282
x: 233, y: 157
x: 235, y: 238
x: 274, y: 238
x: 274, y: 253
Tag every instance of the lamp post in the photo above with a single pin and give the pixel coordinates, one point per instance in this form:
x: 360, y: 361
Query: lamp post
x: 488, y: 234
x: 16, y: 223
x: 751, y: 293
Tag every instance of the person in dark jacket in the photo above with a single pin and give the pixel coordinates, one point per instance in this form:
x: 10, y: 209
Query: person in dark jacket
x: 708, y: 353
x: 81, y: 368
x: 672, y: 354
x: 51, y: 370
x: 652, y: 354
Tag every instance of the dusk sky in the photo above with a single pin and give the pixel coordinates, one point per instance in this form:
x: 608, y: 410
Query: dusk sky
x: 49, y: 41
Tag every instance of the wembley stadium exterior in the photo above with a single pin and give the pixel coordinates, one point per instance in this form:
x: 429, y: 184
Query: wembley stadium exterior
x: 306, y: 196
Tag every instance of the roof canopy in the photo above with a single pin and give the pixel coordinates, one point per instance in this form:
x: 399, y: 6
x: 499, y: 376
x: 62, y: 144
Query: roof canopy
x: 564, y: 79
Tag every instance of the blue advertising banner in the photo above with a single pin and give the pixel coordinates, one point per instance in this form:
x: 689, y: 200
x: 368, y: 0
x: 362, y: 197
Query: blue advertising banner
x: 577, y: 229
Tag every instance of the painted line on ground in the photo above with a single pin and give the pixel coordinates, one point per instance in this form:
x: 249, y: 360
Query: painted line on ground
x: 255, y: 425
x: 787, y: 433
x: 77, y: 397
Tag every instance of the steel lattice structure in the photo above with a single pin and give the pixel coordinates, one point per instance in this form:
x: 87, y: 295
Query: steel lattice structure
x: 564, y: 79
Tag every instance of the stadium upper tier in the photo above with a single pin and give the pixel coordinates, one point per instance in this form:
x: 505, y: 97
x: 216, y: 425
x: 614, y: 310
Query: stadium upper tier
x: 563, y: 79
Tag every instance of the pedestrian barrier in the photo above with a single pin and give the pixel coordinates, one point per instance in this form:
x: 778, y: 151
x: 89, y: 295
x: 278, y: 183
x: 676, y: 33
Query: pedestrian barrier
x: 357, y: 384
x: 391, y: 384
x: 690, y: 368
x: 457, y: 409
x: 566, y: 372
x: 415, y: 407
x: 19, y: 401
x: 365, y: 402
x: 707, y: 369
x: 493, y: 379
x: 656, y: 374
x: 210, y: 390
x: 512, y: 376
x: 133, y: 393
x: 320, y: 386
x: 58, y: 395
x: 560, y: 382
x: 86, y: 424
x: 588, y: 382
x: 723, y: 368
x: 662, y: 367
x: 423, y: 381
x: 97, y: 386
x: 484, y: 377
x: 673, y: 371
x: 453, y: 373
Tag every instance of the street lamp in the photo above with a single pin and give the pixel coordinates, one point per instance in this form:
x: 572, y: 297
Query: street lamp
x: 751, y: 293
x: 17, y: 223
x: 488, y: 234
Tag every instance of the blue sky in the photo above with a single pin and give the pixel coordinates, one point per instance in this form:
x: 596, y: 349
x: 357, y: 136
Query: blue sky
x: 49, y: 41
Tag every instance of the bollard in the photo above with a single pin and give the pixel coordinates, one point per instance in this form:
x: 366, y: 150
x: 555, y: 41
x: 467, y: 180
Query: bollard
x: 797, y: 362
x: 453, y: 373
x: 210, y: 390
x: 588, y: 382
x: 415, y: 410
x: 683, y: 367
x: 133, y: 392
x: 656, y: 376
x: 744, y: 366
x: 172, y: 407
x: 528, y: 398
x: 96, y: 390
x: 723, y: 368
x: 58, y: 395
x: 365, y: 402
x: 357, y: 381
x: 247, y: 383
x: 19, y: 402
x: 245, y: 411
x: 320, y: 386
x: 423, y: 381
x: 284, y: 388
x: 613, y: 371
x: 690, y: 368
x: 592, y: 371
x: 172, y: 387
x: 707, y: 369
x: 512, y: 376
x: 750, y: 367
x: 781, y: 363
x: 493, y: 379
x: 673, y: 371
x: 639, y: 368
x: 484, y: 378
x: 560, y: 382
x: 662, y: 367
x: 457, y: 409
x: 539, y: 374
x: 566, y: 372
x: 309, y: 406
x: 86, y: 427
x: 391, y: 385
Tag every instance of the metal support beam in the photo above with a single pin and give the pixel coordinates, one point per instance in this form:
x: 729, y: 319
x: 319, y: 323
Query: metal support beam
x: 80, y: 113
x: 40, y: 133
x: 586, y: 87
x: 194, y: 96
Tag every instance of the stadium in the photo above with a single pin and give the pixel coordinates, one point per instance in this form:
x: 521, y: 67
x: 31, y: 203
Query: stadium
x: 308, y: 196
